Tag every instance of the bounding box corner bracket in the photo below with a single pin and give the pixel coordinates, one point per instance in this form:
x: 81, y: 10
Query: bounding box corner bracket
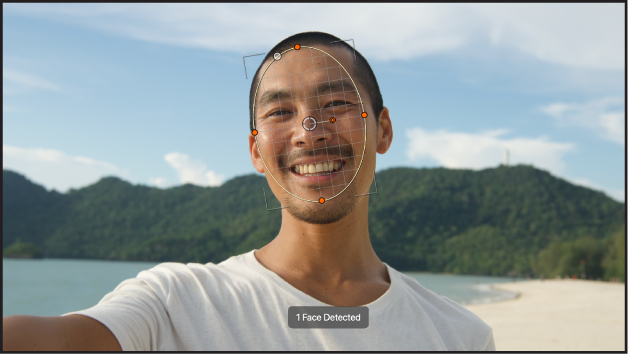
x: 267, y: 207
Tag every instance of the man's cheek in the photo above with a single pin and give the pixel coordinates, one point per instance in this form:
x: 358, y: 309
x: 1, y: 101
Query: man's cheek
x: 268, y: 149
x: 352, y: 123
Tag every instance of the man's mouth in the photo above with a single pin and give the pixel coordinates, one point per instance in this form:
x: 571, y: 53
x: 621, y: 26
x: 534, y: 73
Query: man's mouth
x: 317, y: 168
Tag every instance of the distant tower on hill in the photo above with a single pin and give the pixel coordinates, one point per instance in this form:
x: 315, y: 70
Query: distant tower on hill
x: 506, y: 157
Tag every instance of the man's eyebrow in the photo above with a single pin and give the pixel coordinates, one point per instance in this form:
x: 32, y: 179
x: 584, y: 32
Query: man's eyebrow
x: 335, y: 86
x: 273, y: 96
x: 278, y: 95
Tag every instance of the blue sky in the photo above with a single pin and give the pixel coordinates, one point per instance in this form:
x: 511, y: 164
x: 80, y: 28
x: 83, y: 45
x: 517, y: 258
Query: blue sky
x: 156, y: 94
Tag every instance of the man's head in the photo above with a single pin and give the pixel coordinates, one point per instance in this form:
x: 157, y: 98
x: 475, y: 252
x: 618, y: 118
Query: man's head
x: 361, y: 70
x: 312, y: 135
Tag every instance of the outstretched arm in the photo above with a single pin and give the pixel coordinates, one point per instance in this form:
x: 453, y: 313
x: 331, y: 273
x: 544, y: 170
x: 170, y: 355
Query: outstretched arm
x: 59, y: 333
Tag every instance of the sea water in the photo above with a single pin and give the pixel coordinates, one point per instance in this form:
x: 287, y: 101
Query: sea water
x: 52, y: 287
x: 465, y: 289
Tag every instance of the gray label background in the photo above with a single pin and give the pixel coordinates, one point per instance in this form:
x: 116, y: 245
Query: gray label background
x: 301, y: 324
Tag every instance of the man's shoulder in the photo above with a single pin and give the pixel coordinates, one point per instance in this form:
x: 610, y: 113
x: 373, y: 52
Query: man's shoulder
x: 169, y: 275
x: 450, y: 317
x: 440, y: 305
x: 234, y: 262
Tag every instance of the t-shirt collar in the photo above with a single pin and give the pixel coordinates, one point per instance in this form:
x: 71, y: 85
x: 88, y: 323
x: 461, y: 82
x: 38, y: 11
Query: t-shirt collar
x: 376, y: 306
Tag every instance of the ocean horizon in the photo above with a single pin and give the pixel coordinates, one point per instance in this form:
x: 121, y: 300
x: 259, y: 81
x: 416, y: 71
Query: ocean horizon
x: 52, y: 287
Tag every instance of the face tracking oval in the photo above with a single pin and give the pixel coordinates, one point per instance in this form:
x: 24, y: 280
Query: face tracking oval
x: 309, y: 155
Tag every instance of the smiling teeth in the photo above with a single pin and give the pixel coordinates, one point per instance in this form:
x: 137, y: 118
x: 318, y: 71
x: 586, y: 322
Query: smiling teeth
x: 314, y: 168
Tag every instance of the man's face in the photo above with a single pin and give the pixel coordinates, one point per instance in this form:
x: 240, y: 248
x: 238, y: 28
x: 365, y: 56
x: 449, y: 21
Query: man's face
x: 312, y: 135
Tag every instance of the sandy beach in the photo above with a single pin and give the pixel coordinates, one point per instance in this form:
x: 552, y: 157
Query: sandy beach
x: 558, y: 315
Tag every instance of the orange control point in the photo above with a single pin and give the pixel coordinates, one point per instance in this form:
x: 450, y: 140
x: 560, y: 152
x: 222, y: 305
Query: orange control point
x: 332, y: 120
x: 364, y: 114
x: 297, y: 46
x: 254, y: 132
x: 322, y: 200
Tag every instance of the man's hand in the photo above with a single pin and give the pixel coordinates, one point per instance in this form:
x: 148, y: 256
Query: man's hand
x: 58, y: 333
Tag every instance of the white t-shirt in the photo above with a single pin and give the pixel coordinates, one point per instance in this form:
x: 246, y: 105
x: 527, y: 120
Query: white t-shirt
x: 240, y: 305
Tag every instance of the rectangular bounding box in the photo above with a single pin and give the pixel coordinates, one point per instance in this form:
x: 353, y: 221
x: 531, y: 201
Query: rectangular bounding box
x: 329, y: 317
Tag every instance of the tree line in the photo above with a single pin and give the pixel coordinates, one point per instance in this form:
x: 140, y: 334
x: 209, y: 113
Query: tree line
x: 508, y: 220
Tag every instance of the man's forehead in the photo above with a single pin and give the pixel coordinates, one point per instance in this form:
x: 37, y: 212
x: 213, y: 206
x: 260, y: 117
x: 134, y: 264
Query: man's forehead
x: 305, y: 67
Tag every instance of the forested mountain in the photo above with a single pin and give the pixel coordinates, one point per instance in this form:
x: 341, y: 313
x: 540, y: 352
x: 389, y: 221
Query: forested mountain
x: 493, y: 221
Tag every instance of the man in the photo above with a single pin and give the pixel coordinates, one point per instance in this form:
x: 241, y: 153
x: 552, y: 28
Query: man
x: 322, y: 255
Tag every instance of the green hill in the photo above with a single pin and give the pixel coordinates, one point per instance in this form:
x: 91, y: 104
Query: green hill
x: 29, y: 211
x: 494, y: 221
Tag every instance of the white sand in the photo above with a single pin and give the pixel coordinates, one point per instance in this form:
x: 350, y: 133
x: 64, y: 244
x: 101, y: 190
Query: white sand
x: 558, y: 315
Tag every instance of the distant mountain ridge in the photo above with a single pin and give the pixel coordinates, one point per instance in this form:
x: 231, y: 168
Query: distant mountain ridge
x: 492, y: 221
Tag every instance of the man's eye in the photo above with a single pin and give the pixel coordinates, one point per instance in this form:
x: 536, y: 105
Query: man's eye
x: 337, y: 103
x: 279, y: 113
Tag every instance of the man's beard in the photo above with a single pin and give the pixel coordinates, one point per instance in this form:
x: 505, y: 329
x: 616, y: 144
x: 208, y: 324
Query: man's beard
x: 333, y: 210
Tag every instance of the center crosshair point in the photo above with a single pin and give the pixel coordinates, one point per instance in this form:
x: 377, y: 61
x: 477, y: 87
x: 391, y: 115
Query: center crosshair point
x: 309, y: 123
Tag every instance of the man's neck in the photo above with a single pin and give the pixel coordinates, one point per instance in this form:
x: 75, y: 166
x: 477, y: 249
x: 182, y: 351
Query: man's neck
x: 334, y: 263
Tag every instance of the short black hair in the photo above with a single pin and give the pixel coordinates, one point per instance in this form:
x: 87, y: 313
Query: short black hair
x: 361, y: 71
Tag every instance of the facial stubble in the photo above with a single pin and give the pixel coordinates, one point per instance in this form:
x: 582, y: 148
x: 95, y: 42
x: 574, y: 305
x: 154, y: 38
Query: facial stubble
x: 335, y: 210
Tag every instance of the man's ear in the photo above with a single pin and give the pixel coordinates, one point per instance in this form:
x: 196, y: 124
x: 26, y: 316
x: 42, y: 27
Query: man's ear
x: 255, y: 155
x: 385, y: 133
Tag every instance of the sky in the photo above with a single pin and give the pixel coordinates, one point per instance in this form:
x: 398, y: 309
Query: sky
x: 156, y: 94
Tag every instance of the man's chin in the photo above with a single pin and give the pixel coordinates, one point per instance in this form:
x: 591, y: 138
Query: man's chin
x: 327, y: 213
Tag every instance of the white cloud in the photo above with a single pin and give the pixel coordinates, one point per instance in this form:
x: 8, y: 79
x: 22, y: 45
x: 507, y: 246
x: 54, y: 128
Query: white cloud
x: 55, y: 169
x: 605, y: 116
x: 579, y: 35
x: 159, y: 182
x: 617, y: 194
x: 193, y: 171
x: 24, y: 82
x: 483, y: 150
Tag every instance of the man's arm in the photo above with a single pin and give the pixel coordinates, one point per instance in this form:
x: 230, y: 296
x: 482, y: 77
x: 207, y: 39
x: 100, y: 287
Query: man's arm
x: 58, y: 333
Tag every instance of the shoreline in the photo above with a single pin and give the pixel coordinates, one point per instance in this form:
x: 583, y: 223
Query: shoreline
x: 507, y: 295
x: 557, y: 315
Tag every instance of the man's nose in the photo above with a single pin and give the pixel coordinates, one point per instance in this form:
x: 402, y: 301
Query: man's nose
x: 311, y: 131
